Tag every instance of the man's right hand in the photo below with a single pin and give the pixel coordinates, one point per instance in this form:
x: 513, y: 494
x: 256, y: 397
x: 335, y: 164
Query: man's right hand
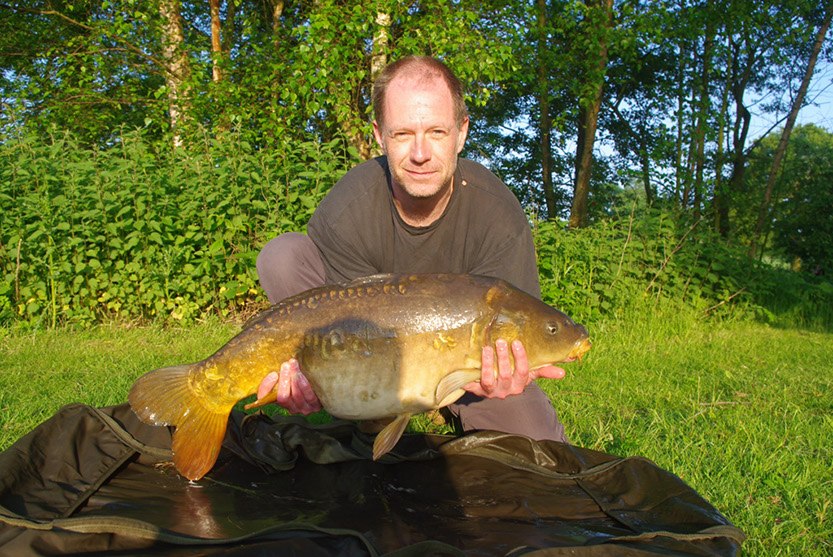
x: 292, y: 390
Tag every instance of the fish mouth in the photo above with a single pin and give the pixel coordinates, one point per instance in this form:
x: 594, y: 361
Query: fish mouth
x: 579, y: 350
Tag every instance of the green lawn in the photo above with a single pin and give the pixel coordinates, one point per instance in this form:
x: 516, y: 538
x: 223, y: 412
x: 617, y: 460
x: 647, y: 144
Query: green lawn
x: 743, y: 412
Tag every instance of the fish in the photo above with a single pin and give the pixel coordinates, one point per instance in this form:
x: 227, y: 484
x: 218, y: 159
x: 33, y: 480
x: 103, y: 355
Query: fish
x: 377, y: 348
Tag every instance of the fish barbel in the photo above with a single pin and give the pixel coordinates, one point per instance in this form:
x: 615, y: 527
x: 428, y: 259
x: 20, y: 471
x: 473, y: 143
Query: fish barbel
x: 378, y: 347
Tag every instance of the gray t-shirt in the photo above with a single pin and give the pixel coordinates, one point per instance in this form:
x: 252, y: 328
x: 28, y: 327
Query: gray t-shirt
x: 483, y: 231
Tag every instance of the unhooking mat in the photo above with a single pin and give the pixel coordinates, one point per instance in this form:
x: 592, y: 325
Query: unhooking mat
x: 98, y: 481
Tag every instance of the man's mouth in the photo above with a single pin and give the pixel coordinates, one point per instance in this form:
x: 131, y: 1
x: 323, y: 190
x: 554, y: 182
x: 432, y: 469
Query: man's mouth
x: 421, y: 173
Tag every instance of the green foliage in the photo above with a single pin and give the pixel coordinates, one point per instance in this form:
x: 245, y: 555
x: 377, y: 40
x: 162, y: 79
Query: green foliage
x: 134, y: 232
x: 802, y: 223
x: 656, y: 262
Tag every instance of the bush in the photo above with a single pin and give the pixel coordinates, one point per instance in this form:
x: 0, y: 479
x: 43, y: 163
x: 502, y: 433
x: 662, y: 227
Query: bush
x: 658, y: 262
x: 135, y: 232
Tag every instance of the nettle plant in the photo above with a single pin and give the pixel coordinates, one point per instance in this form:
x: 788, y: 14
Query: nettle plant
x: 134, y: 232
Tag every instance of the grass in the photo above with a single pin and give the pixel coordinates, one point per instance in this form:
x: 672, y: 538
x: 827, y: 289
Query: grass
x: 743, y: 412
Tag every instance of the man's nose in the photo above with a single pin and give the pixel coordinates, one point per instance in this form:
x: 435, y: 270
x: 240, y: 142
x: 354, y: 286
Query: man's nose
x: 421, y: 149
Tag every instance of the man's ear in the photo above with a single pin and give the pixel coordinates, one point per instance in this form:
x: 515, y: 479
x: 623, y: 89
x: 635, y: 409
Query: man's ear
x: 377, y: 133
x: 462, y: 134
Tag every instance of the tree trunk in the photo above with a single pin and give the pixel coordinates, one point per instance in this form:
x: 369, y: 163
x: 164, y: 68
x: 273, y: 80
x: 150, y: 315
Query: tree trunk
x: 645, y: 161
x: 689, y: 162
x: 740, y: 131
x: 229, y: 31
x: 700, y: 128
x: 545, y: 123
x: 720, y: 201
x: 379, y: 56
x: 277, y: 11
x: 763, y: 212
x: 366, y: 147
x: 216, y: 42
x: 588, y: 121
x: 678, y: 143
x: 177, y: 70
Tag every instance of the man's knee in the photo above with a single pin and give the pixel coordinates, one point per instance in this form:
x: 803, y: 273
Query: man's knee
x: 530, y: 414
x: 288, y: 265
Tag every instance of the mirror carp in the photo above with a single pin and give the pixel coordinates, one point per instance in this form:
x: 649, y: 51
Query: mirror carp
x: 386, y: 346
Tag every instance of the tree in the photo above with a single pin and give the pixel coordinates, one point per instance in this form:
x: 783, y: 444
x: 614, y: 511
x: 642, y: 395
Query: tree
x: 663, y: 87
x: 785, y: 134
x: 177, y: 67
x: 599, y: 20
x: 544, y: 120
x: 802, y: 222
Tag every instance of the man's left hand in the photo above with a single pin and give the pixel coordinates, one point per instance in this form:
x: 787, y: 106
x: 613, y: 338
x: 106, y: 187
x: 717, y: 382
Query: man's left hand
x: 506, y: 381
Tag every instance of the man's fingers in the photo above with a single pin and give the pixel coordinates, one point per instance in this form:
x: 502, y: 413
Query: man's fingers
x: 267, y: 384
x: 283, y: 392
x: 292, y: 390
x: 504, y: 365
x: 521, y: 378
x: 487, y: 370
x: 306, y: 390
x: 550, y: 372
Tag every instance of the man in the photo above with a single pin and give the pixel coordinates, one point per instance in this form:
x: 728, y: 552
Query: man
x: 420, y: 209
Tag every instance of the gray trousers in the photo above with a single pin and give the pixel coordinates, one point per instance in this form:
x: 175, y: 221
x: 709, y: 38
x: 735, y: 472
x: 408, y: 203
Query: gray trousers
x: 290, y: 264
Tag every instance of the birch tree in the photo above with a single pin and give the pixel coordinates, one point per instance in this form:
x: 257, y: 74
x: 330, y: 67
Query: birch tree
x: 176, y: 67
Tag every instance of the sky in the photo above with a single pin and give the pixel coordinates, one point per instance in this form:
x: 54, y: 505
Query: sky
x: 820, y: 113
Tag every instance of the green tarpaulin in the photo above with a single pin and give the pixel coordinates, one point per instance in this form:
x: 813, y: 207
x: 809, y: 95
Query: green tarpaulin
x: 98, y: 481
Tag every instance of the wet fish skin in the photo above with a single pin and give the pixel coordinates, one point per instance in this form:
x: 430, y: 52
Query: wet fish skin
x: 378, y: 347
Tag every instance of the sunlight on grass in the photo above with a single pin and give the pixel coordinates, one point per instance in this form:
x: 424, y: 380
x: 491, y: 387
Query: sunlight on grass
x: 740, y: 411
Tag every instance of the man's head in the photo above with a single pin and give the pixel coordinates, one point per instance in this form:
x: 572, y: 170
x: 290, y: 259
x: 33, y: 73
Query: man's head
x: 421, y: 125
x: 426, y: 67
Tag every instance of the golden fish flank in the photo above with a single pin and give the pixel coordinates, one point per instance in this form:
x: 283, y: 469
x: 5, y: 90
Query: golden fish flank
x: 379, y: 347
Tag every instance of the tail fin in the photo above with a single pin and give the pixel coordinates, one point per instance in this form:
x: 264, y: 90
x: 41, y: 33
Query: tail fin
x: 164, y: 397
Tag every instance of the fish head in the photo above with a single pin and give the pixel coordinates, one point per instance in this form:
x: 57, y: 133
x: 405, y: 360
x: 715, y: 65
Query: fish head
x: 549, y: 335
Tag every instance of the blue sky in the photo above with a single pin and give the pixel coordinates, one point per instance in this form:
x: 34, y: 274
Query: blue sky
x: 820, y: 91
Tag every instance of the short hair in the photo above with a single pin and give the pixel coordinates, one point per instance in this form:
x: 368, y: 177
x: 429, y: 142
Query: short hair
x: 426, y: 68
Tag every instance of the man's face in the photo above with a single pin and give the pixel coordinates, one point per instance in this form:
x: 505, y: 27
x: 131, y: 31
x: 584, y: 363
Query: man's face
x: 420, y: 135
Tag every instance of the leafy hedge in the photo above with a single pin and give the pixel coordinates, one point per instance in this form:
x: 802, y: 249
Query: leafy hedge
x: 136, y: 232
x: 658, y: 261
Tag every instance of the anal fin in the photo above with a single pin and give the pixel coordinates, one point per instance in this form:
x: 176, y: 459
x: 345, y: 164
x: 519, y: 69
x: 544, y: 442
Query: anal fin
x: 389, y: 436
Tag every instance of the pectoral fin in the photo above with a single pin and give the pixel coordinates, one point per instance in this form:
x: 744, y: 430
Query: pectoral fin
x: 451, y: 386
x: 389, y: 436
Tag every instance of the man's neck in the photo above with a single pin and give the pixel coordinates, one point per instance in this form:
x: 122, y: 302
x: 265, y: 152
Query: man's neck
x: 421, y: 211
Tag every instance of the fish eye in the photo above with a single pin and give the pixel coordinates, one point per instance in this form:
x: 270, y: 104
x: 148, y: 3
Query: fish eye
x: 552, y: 327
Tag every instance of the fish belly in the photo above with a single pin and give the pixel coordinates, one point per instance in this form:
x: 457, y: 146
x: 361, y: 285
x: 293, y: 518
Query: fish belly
x: 393, y: 377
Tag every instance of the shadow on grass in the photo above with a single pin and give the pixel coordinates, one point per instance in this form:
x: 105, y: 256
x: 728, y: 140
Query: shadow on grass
x: 790, y: 300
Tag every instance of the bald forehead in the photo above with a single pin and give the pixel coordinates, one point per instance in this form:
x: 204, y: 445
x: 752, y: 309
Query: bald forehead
x: 418, y: 94
x: 420, y: 77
